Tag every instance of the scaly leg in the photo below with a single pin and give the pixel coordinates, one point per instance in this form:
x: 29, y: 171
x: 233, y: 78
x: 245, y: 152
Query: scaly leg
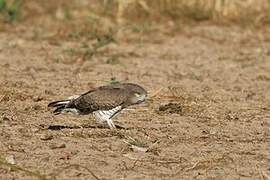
x: 110, y: 123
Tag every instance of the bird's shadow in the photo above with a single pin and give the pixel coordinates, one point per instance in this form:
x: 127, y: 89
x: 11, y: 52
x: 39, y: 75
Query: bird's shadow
x: 60, y: 127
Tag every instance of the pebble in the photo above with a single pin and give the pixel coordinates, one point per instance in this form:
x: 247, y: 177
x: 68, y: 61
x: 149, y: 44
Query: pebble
x: 57, y: 146
x: 10, y: 159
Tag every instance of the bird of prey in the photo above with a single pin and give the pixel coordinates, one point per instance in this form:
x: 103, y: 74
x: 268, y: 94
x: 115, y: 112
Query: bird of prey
x: 104, y: 101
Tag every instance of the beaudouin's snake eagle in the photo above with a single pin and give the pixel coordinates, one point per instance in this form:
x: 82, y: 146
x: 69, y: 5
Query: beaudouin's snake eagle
x: 104, y: 101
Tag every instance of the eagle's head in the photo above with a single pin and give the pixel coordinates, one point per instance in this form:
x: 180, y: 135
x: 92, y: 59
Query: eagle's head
x: 137, y: 94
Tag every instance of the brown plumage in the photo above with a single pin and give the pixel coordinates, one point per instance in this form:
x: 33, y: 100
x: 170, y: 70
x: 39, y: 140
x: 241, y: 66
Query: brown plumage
x: 104, y: 102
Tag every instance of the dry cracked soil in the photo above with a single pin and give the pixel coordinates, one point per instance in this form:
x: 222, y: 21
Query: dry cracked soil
x: 206, y: 117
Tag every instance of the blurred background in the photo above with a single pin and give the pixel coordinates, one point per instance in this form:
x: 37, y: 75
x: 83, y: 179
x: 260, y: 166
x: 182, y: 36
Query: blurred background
x: 94, y: 17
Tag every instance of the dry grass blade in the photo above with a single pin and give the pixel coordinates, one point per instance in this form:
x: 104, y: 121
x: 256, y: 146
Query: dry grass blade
x: 263, y: 175
x: 77, y: 166
x: 197, y: 10
x: 28, y: 172
x: 266, y: 176
x: 136, y: 145
x: 193, y: 166
x: 157, y: 92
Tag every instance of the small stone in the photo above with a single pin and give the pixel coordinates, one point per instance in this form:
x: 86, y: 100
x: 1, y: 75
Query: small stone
x: 5, y: 118
x: 37, y: 98
x: 46, y: 137
x: 36, y: 107
x: 139, y: 149
x: 65, y: 155
x: 48, y: 92
x: 35, y: 129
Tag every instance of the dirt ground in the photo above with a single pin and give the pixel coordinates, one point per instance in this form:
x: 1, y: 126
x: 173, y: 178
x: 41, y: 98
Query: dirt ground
x: 207, y: 115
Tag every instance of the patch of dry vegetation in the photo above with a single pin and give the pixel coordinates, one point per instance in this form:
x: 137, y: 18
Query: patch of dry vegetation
x: 245, y: 11
x: 92, y: 18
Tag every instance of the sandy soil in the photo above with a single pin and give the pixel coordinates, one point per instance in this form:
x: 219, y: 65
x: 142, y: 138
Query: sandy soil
x: 207, y: 116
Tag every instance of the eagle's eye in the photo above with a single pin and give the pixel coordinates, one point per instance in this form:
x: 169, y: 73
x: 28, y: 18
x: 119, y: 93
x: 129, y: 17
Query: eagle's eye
x: 137, y: 94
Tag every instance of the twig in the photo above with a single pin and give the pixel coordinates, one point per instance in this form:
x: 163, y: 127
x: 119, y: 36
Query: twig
x: 154, y: 144
x: 2, y: 97
x: 156, y: 92
x: 135, y: 162
x: 194, y: 166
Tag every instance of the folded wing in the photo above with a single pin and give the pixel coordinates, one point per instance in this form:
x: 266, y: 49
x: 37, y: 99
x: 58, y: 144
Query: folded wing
x: 103, y: 98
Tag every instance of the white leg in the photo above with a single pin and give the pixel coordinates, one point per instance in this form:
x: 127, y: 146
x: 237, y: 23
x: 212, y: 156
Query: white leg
x: 110, y: 123
x: 102, y: 119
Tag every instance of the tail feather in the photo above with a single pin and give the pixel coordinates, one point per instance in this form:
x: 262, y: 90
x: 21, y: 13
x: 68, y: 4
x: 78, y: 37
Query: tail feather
x: 59, y: 110
x: 59, y: 105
